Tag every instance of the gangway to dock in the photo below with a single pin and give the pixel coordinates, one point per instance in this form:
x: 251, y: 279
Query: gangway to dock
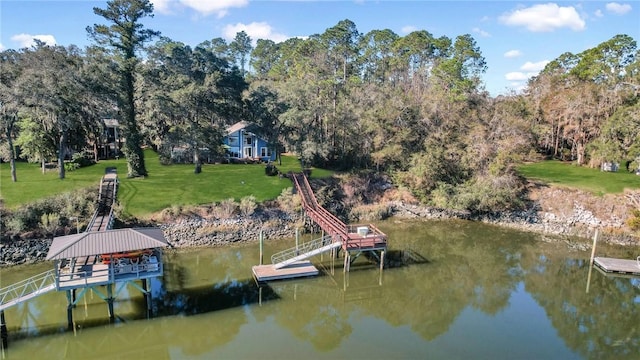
x: 27, y: 289
x: 304, y: 251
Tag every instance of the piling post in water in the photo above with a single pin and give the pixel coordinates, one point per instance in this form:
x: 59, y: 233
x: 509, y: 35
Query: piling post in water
x: 112, y: 316
x: 593, y: 254
x: 3, y: 332
x: 381, y: 266
x: 69, y: 310
x: 261, y: 250
x: 593, y: 248
x: 147, y: 296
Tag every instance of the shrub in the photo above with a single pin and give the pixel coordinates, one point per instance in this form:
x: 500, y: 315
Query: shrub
x: 15, y: 224
x: 371, y: 212
x: 70, y: 166
x: 633, y: 222
x: 225, y: 209
x: 289, y: 201
x: 248, y: 205
x: 82, y: 158
x: 79, y: 204
x: 50, y: 222
x: 271, y: 170
x: 489, y: 193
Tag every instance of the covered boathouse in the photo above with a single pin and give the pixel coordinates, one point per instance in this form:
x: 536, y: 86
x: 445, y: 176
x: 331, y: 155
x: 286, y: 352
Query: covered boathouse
x: 96, y: 261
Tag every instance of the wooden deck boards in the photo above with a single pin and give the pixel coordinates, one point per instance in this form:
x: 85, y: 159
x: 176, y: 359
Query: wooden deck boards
x: 619, y: 266
x: 85, y: 275
x: 269, y: 273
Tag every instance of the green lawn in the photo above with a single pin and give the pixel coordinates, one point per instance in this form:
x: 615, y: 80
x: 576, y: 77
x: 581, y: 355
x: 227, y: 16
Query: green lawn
x: 166, y: 185
x: 569, y: 175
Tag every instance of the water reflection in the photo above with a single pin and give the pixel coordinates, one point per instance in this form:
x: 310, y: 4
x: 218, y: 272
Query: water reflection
x: 450, y: 289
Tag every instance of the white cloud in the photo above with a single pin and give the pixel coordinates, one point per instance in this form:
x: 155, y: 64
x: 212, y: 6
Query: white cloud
x: 202, y: 7
x: 516, y: 76
x: 534, y: 66
x: 529, y: 69
x: 2, y: 48
x: 545, y: 18
x: 481, y: 32
x: 162, y: 6
x: 255, y: 30
x: 27, y: 40
x: 218, y: 7
x: 408, y: 29
x: 619, y: 9
x: 598, y: 13
x: 513, y: 54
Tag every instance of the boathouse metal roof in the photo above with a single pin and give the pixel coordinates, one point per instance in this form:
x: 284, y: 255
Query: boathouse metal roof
x: 105, y: 242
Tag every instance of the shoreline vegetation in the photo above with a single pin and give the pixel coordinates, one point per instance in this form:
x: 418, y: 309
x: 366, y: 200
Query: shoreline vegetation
x: 552, y: 210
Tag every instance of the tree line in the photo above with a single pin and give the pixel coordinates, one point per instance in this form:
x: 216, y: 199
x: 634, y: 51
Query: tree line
x: 412, y: 106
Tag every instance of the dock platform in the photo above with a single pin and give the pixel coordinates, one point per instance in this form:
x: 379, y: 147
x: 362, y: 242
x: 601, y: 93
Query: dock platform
x: 298, y: 269
x: 618, y: 266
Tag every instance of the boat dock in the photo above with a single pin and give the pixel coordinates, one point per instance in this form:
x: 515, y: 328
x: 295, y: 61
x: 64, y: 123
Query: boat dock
x: 97, y: 260
x: 618, y: 266
x: 298, y: 269
x: 352, y: 240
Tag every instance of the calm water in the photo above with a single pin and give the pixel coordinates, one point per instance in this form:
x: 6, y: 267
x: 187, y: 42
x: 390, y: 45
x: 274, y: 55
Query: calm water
x: 453, y: 290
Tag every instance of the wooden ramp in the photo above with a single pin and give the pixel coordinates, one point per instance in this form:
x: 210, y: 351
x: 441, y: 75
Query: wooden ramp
x: 618, y: 266
x: 298, y: 269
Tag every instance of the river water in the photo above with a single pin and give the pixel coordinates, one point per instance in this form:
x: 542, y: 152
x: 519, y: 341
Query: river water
x: 452, y: 290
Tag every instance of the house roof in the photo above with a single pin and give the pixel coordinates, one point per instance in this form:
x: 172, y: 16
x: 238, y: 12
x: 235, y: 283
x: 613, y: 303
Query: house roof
x: 238, y: 126
x: 111, y: 122
x: 105, y: 242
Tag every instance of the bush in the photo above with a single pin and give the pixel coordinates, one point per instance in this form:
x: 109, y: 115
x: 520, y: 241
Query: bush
x: 289, y: 201
x: 248, y: 205
x: 79, y: 204
x: 633, y: 222
x: 271, y: 170
x: 371, y: 212
x: 82, y: 158
x: 225, y: 209
x: 485, y: 194
x: 15, y: 225
x: 70, y: 166
x: 50, y: 222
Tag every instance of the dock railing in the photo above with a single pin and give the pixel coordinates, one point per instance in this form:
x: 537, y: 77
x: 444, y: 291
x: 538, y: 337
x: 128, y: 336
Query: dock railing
x: 303, y: 248
x: 27, y: 289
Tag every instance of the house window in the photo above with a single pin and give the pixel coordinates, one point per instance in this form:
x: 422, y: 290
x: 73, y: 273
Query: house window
x: 265, y: 152
x: 248, y: 140
x: 233, y: 141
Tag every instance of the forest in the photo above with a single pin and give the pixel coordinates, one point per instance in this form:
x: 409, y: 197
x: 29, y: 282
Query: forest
x: 413, y: 107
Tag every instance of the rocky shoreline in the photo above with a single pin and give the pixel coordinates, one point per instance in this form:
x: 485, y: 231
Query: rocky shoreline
x: 276, y: 223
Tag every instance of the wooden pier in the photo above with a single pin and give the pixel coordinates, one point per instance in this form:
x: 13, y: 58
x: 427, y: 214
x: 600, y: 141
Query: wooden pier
x: 352, y: 240
x: 618, y: 266
x: 298, y: 269
x: 96, y: 260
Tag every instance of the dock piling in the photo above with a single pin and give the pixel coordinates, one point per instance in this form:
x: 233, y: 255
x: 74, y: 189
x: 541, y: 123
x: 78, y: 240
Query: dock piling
x: 261, y: 249
x: 3, y: 332
x: 593, y: 253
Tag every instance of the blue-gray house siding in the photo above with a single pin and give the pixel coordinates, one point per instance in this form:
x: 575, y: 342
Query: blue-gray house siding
x: 242, y: 142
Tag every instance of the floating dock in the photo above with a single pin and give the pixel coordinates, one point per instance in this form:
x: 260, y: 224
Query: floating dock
x: 618, y: 266
x: 298, y: 269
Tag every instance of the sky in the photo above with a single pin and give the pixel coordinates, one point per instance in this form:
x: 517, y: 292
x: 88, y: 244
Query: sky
x: 517, y: 38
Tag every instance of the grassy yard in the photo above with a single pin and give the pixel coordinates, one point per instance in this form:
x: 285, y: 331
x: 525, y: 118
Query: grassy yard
x: 166, y: 185
x: 593, y: 180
